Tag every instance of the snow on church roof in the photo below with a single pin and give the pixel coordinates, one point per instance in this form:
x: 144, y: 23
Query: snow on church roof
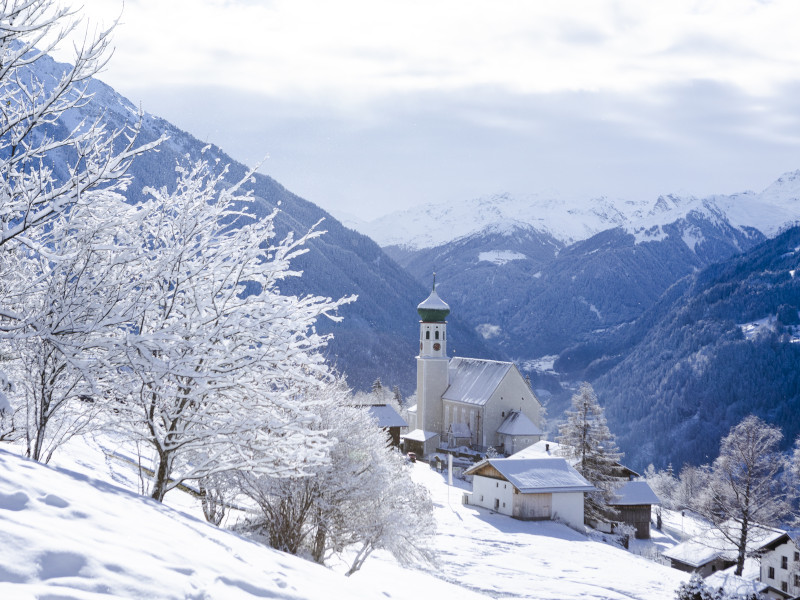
x: 538, y: 475
x: 517, y: 423
x: 473, y: 380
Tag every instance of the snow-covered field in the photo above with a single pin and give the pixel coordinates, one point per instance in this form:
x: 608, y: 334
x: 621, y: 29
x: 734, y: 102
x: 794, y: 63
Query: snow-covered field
x: 74, y: 533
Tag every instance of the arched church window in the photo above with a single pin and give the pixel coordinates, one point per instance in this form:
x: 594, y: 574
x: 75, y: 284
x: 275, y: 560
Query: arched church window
x: 437, y: 334
x: 428, y: 335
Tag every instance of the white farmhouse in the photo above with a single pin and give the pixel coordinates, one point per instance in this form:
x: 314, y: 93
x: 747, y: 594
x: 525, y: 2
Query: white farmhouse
x: 780, y: 567
x: 486, y: 402
x: 530, y: 489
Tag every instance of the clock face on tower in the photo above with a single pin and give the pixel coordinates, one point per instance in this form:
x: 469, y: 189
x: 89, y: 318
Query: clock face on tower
x: 437, y: 346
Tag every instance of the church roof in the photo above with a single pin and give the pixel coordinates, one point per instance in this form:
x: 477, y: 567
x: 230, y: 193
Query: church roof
x: 538, y: 475
x: 386, y: 416
x: 517, y: 423
x: 433, y: 309
x: 473, y: 380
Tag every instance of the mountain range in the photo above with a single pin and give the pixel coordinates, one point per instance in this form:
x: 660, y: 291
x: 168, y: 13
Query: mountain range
x: 571, y: 289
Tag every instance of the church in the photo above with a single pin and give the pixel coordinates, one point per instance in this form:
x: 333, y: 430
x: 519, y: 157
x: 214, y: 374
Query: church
x: 467, y: 401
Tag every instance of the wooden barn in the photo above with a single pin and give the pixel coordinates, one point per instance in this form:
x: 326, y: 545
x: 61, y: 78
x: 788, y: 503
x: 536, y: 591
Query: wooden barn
x: 389, y: 420
x: 634, y: 503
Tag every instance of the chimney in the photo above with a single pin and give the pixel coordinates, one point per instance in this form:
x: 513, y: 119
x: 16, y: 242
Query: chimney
x: 547, y: 447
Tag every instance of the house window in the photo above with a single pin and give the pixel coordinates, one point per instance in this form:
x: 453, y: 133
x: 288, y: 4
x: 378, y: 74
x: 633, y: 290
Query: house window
x: 481, y: 498
x: 496, y: 484
x: 784, y: 562
x: 797, y: 557
x: 771, y: 572
x: 784, y: 586
x: 797, y: 581
x: 504, y: 504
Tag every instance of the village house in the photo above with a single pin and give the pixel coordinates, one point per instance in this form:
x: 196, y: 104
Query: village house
x: 710, y: 551
x: 530, y: 489
x: 780, y: 567
x: 634, y: 499
x: 486, y: 403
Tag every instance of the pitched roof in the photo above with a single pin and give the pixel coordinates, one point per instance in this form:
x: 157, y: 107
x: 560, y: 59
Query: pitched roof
x: 386, y: 416
x: 517, y: 423
x: 635, y: 492
x: 418, y: 435
x: 473, y: 380
x: 711, y: 544
x: 537, y: 475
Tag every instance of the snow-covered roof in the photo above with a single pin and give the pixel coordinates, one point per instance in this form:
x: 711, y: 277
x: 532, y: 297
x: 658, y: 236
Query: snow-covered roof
x: 418, y: 435
x: 541, y: 449
x: 460, y: 430
x: 635, y: 492
x: 711, y: 544
x: 516, y: 423
x: 735, y: 586
x: 537, y: 475
x: 473, y: 380
x: 386, y: 416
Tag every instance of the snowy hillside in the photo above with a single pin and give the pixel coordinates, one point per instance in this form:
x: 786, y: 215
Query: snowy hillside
x: 574, y: 219
x: 72, y: 534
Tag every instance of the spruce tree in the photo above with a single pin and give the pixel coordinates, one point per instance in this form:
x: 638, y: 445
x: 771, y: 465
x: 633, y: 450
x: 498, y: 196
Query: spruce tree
x: 589, y: 445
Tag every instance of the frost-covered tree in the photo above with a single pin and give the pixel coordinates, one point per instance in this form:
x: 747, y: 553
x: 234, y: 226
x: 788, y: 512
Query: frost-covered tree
x: 79, y: 291
x: 46, y: 165
x: 218, y: 361
x: 361, y: 499
x: 745, y: 492
x: 586, y: 439
x: 696, y: 589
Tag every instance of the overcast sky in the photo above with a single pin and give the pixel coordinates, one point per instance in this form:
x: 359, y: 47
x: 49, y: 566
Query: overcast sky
x: 365, y: 106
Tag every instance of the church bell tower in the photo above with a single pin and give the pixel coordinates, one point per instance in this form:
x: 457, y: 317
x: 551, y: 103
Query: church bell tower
x: 432, y: 362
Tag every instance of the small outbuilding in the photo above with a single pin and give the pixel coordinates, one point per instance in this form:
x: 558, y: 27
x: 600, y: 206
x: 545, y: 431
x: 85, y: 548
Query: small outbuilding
x: 634, y: 504
x: 389, y: 420
x: 530, y: 489
x: 422, y: 443
x: 517, y: 432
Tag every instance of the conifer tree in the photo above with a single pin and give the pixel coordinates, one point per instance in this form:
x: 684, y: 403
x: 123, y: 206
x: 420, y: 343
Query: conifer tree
x: 586, y: 440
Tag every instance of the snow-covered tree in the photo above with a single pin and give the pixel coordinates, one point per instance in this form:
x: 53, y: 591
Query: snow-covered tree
x: 745, y: 492
x: 361, y: 499
x: 696, y: 589
x: 586, y: 439
x: 79, y: 291
x: 219, y: 362
x: 46, y: 165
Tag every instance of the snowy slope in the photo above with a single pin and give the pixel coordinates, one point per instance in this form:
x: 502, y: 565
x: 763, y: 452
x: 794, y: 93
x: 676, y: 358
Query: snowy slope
x: 70, y: 536
x: 573, y: 219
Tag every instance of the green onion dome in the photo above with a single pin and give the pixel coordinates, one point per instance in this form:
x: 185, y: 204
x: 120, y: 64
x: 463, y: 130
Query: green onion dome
x: 433, y: 309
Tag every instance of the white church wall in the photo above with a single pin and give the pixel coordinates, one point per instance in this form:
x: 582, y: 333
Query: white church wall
x: 513, y: 393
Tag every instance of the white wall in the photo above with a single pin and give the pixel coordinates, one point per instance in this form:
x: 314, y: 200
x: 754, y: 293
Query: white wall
x: 486, y: 490
x: 773, y: 559
x: 513, y: 393
x: 568, y: 507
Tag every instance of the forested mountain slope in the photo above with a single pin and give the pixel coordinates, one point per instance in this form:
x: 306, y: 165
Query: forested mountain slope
x: 720, y: 344
x: 378, y: 336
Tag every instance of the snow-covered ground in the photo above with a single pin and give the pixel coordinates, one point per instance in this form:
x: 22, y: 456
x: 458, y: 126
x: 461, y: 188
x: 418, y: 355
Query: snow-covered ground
x: 78, y: 533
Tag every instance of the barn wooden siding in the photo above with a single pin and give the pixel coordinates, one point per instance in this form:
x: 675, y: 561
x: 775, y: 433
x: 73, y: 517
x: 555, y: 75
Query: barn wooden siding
x: 637, y: 515
x: 532, y: 507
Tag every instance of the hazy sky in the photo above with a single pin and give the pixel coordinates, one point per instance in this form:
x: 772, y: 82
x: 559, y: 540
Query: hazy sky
x: 364, y: 106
